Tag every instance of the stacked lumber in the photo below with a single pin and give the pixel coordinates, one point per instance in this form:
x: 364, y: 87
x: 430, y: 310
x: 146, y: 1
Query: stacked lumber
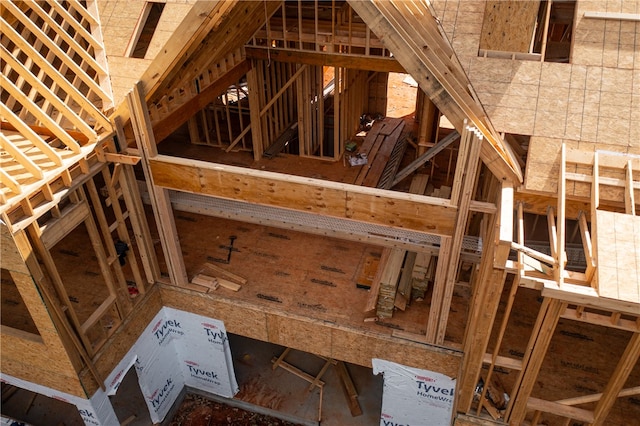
x: 205, y: 283
x: 423, y: 270
x: 379, y: 146
x: 389, y: 283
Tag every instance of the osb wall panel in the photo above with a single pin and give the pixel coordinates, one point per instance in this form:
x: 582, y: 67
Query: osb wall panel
x: 47, y: 363
x: 10, y: 258
x: 319, y: 337
x: 508, y: 25
x: 608, y: 43
x: 36, y: 363
x: 543, y: 171
x: 118, y: 20
x: 578, y: 101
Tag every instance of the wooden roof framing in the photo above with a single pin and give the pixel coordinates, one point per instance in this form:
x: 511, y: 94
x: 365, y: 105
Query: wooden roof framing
x: 213, y: 31
x: 411, y: 32
x: 55, y: 91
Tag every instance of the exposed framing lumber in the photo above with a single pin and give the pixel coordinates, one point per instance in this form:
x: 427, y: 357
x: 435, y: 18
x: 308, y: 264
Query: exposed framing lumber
x: 482, y: 313
x: 95, y: 87
x: 560, y: 254
x: 425, y: 214
x: 625, y: 365
x: 44, y: 91
x: 629, y: 196
x: 561, y: 410
x: 405, y: 32
x: 35, y: 110
x: 589, y: 254
x: 28, y: 133
x: 20, y: 157
x: 338, y: 60
x: 432, y: 152
x: 167, y: 125
x: 55, y: 75
x: 138, y: 220
x: 468, y: 179
x: 159, y: 197
x: 579, y: 400
x: 504, y: 236
x: 58, y: 317
x: 537, y: 347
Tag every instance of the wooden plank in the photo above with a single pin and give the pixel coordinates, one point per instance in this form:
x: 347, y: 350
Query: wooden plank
x: 51, y: 97
x: 225, y: 273
x: 534, y: 356
x: 35, y: 110
x: 438, y: 288
x: 561, y: 410
x: 375, y: 285
x: 629, y: 196
x: 176, y: 118
x: 160, y: 197
x: 425, y: 214
x: 466, y: 193
x: 432, y: 152
x: 505, y: 225
x: 10, y: 182
x: 55, y: 75
x: 349, y: 389
x: 585, y: 399
x: 205, y: 281
x: 587, y: 246
x: 56, y: 229
x: 380, y: 159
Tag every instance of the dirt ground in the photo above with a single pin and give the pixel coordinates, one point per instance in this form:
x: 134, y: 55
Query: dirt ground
x: 196, y: 410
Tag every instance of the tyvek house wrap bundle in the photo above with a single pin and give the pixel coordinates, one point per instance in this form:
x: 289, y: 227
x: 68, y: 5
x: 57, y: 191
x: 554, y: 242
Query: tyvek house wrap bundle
x: 176, y: 349
x: 414, y: 397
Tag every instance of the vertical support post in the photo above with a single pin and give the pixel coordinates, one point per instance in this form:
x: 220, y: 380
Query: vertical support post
x: 254, y: 111
x: 629, y: 196
x: 621, y: 373
x: 533, y: 358
x: 483, y: 308
x: 561, y: 222
x: 465, y: 194
x: 159, y: 196
x: 439, y: 284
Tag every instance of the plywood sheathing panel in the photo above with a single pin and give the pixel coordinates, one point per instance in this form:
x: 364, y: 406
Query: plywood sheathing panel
x: 618, y: 242
x: 607, y: 43
x: 508, y: 25
x: 321, y: 337
x: 45, y: 362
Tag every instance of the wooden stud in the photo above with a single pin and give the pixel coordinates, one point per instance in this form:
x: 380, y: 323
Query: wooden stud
x: 623, y: 369
x: 629, y: 197
x: 537, y: 347
x: 159, y: 196
x: 561, y: 222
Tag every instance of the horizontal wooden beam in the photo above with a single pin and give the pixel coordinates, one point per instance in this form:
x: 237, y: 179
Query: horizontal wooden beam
x: 425, y: 214
x: 43, y: 131
x: 361, y: 62
x: 560, y: 410
x: 586, y: 296
x: 169, y: 124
